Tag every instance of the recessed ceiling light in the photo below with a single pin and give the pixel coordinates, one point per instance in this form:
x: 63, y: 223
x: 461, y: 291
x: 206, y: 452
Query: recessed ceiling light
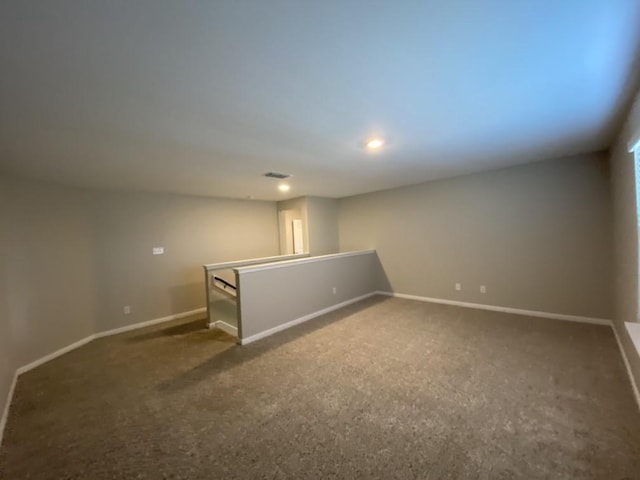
x: 374, y: 143
x: 283, y: 187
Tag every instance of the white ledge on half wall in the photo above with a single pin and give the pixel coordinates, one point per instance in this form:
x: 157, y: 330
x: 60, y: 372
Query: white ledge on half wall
x: 634, y: 332
x: 309, y: 259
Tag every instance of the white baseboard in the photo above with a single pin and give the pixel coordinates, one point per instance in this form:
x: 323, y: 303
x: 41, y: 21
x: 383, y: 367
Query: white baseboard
x: 495, y: 308
x: 78, y: 344
x: 115, y: 331
x: 51, y: 356
x: 225, y: 327
x: 149, y: 323
x: 297, y: 321
x: 634, y: 385
x: 30, y: 366
x: 533, y: 313
x: 5, y: 413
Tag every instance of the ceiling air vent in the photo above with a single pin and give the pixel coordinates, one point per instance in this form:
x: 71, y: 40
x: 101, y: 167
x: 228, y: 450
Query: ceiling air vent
x: 277, y: 175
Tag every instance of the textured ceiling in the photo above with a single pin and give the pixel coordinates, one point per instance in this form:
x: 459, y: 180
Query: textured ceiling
x: 203, y: 97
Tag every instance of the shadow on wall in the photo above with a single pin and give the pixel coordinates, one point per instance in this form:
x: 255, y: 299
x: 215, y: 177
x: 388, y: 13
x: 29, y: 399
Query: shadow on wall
x: 236, y: 355
x: 383, y: 281
x: 187, y: 297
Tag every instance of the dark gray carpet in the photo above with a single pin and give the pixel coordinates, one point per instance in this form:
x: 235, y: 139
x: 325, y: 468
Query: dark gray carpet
x: 386, y: 388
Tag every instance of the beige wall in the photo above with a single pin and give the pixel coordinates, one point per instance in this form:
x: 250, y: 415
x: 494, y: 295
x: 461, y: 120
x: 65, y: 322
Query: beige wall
x: 322, y: 218
x: 51, y: 282
x: 7, y: 367
x: 192, y: 230
x: 626, y: 235
x: 538, y: 236
x: 48, y: 281
x: 319, y: 217
x: 71, y: 259
x: 287, y: 211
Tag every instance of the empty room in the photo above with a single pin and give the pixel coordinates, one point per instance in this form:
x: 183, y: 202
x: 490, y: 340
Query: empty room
x: 307, y: 240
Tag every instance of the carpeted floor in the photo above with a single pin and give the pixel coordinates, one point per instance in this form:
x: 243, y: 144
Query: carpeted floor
x: 386, y: 388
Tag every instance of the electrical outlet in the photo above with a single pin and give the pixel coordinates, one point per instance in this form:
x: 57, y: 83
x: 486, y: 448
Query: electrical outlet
x: 458, y: 286
x: 483, y: 289
x: 127, y: 310
x: 158, y: 250
x: 334, y: 290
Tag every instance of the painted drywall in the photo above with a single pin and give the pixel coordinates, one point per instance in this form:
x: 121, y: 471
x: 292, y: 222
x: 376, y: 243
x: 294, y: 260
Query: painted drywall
x: 70, y: 259
x: 274, y: 295
x: 47, y: 283
x: 538, y: 236
x: 322, y: 219
x: 319, y: 217
x: 7, y: 367
x: 295, y: 208
x: 49, y: 268
x: 192, y: 230
x: 625, y: 216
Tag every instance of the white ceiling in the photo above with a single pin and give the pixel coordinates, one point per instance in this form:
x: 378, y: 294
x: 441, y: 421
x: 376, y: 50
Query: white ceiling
x: 203, y: 97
